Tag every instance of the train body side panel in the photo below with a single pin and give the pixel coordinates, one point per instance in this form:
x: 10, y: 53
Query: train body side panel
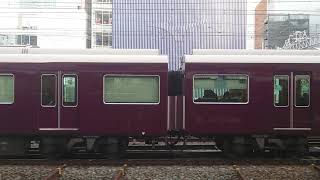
x: 259, y: 116
x: 94, y: 117
x: 20, y: 116
x: 121, y: 119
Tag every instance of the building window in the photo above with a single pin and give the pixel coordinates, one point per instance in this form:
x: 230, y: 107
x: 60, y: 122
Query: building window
x: 107, y: 17
x: 281, y: 91
x: 104, y: 1
x: 26, y: 40
x: 6, y: 89
x: 99, y: 17
x: 103, y: 39
x: 98, y: 39
x: 131, y: 89
x: 216, y: 89
x: 48, y: 90
x: 107, y: 39
x: 302, y: 90
x: 70, y: 90
x: 103, y: 17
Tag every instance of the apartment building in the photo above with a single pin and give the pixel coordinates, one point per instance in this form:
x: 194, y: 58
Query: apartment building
x: 101, y: 24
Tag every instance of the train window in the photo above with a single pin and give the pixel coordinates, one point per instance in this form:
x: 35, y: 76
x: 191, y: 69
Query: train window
x: 48, y: 90
x: 70, y: 90
x: 6, y: 89
x: 131, y: 89
x: 302, y: 90
x: 281, y: 91
x: 215, y: 89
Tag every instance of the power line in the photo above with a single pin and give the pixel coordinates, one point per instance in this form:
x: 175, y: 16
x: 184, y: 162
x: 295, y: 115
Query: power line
x: 177, y: 26
x: 214, y: 1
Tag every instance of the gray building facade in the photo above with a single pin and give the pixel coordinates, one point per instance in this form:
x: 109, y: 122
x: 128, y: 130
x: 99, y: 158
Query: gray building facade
x: 177, y: 27
x: 278, y: 27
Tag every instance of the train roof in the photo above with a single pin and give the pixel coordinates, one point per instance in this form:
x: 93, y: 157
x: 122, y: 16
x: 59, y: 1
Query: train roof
x: 49, y: 58
x: 255, y: 52
x: 11, y: 50
x: 251, y: 59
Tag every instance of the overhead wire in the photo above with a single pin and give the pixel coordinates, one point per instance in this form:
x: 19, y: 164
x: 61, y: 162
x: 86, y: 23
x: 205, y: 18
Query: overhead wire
x: 224, y: 13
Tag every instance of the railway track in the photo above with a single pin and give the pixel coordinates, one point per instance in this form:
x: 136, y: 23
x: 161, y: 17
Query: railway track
x: 166, y: 159
x: 242, y: 171
x: 194, y: 156
x: 238, y: 167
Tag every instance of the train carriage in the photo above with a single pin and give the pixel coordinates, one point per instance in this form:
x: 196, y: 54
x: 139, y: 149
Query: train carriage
x: 61, y: 97
x: 245, y: 100
x: 251, y: 101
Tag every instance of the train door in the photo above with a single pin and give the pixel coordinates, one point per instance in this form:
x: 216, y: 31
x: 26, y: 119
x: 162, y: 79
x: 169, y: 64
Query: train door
x: 292, y: 101
x: 48, y: 113
x: 59, y: 101
x: 302, y: 113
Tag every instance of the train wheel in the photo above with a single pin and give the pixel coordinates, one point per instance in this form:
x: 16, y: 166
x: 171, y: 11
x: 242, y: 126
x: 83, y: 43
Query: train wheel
x: 235, y: 146
x: 113, y: 147
x: 219, y: 143
x: 123, y: 146
x: 172, y: 140
x: 295, y: 146
x: 242, y: 146
x: 227, y: 148
x: 53, y: 147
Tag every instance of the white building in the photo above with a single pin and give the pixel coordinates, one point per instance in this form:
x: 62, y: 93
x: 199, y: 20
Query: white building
x: 277, y: 7
x: 101, y: 24
x: 307, y: 7
x: 43, y: 23
x: 251, y: 6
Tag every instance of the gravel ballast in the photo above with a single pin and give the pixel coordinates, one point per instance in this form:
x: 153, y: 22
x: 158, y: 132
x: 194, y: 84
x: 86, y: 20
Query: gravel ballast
x: 219, y: 172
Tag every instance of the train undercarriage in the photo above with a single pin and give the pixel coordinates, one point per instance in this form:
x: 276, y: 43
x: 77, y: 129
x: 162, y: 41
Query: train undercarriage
x: 116, y: 147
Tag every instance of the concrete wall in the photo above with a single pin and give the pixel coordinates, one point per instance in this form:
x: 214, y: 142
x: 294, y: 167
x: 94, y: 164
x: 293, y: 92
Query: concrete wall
x: 260, y: 17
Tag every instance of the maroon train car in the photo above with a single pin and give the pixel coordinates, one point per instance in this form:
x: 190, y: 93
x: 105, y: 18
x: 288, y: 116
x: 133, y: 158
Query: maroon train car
x: 251, y: 101
x: 66, y: 99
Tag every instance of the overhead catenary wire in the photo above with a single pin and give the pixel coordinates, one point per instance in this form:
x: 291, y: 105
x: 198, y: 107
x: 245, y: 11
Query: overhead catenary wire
x: 204, y: 24
x: 216, y: 1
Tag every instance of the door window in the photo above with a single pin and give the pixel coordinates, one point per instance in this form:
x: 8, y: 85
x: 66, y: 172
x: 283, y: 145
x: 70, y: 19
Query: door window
x: 48, y: 90
x: 302, y: 90
x: 281, y: 91
x: 70, y: 90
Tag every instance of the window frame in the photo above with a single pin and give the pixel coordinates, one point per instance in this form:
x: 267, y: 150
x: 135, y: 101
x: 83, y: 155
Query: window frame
x: 295, y: 89
x: 109, y: 17
x: 274, y: 104
x: 130, y: 75
x: 77, y: 90
x: 56, y: 88
x: 223, y: 103
x: 13, y: 78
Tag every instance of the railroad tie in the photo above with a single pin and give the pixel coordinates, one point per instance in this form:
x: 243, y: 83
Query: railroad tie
x: 57, y: 173
x: 239, y: 173
x: 121, y: 173
x: 316, y: 167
